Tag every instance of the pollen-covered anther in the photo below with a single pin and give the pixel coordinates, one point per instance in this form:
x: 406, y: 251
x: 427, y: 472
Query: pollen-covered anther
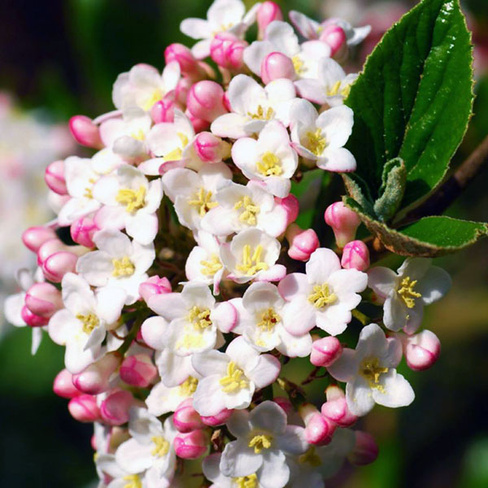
x: 189, y: 386
x: 251, y: 263
x: 249, y: 210
x: 310, y: 457
x: 133, y: 481
x: 260, y: 442
x: 261, y: 113
x: 270, y: 165
x: 269, y: 319
x: 132, y: 199
x: 89, y: 321
x: 203, y: 201
x: 211, y: 266
x: 322, y: 296
x: 235, y: 380
x: 161, y: 446
x: 407, y: 291
x: 123, y: 267
x: 316, y: 142
x: 249, y: 481
x: 371, y: 370
x: 200, y: 318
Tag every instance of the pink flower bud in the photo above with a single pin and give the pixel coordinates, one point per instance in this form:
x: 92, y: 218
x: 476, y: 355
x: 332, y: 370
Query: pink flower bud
x: 84, y: 408
x: 191, y: 445
x: 227, y: 51
x: 186, y: 418
x: 267, y: 13
x: 43, y: 299
x: 344, y: 222
x: 138, y: 370
x: 335, y: 408
x: 199, y: 125
x: 154, y: 286
x: 82, y: 231
x: 95, y: 378
x: 275, y: 66
x: 63, y: 385
x: 54, y: 177
x: 210, y: 148
x: 365, y: 451
x: 421, y: 350
x: 189, y: 65
x: 285, y: 404
x: 114, y: 410
x: 335, y: 37
x: 85, y: 132
x: 302, y: 242
x: 318, y: 430
x: 205, y: 100
x: 291, y: 206
x: 355, y: 255
x: 31, y: 319
x: 50, y: 247
x: 34, y: 237
x: 325, y: 351
x: 163, y: 111
x: 58, y: 264
x: 217, y: 419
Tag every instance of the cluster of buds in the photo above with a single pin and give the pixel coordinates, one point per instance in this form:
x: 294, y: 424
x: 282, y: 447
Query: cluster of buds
x: 179, y: 284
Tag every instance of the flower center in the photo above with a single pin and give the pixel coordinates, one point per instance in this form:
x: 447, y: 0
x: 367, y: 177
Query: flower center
x: 123, y: 267
x: 235, y: 379
x: 138, y: 135
x: 249, y: 210
x: 407, y: 292
x: 188, y: 387
x: 310, y: 457
x: 210, y: 267
x: 298, y: 64
x: 155, y: 96
x: 337, y: 90
x: 161, y: 446
x: 371, y: 370
x: 88, y: 190
x: 261, y: 114
x: 251, y: 263
x: 133, y: 481
x: 260, y: 442
x: 249, y: 481
x: 200, y: 318
x: 316, y: 142
x: 89, y: 322
x: 132, y: 199
x: 270, y: 165
x: 269, y: 318
x: 322, y: 296
x: 202, y: 200
x: 176, y: 154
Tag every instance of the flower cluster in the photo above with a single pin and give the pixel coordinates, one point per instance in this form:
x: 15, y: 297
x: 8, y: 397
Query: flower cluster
x: 180, y: 285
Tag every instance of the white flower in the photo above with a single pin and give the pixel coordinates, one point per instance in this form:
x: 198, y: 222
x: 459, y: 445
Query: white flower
x: 130, y: 202
x: 263, y: 438
x: 143, y: 86
x: 253, y: 106
x: 83, y: 324
x: 324, y: 296
x: 415, y: 284
x: 370, y: 373
x: 230, y: 378
x: 269, y: 159
x: 252, y: 254
x: 119, y: 262
x: 321, y: 137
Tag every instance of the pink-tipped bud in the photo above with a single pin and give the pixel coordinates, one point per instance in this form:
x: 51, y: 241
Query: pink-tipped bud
x: 189, y: 65
x: 302, y: 242
x: 318, y: 430
x: 43, y: 299
x: 84, y: 408
x: 63, y: 385
x: 275, y: 66
x: 291, y: 206
x: 210, y: 148
x: 192, y: 445
x: 365, y: 451
x: 421, y: 350
x: 82, y: 231
x: 154, y: 286
x: 31, y: 319
x: 114, y: 410
x: 335, y: 408
x: 267, y: 13
x: 54, y: 178
x: 285, y: 404
x: 344, y: 222
x: 34, y: 237
x: 206, y: 100
x: 218, y: 419
x: 186, y: 418
x: 325, y: 351
x: 58, y: 264
x: 164, y: 110
x: 85, y: 132
x: 335, y: 37
x: 227, y: 51
x: 50, y: 247
x: 138, y: 370
x: 199, y: 125
x: 95, y: 378
x: 355, y: 255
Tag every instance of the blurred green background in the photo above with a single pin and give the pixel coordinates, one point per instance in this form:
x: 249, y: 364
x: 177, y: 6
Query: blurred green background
x: 64, y: 55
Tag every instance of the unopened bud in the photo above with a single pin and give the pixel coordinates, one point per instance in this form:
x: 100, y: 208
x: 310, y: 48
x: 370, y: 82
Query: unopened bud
x: 335, y: 37
x: 138, y: 370
x: 335, y: 408
x: 58, y: 264
x: 217, y: 419
x: 318, y: 430
x: 114, y: 410
x: 302, y: 242
x: 189, y: 65
x: 277, y: 65
x: 186, y: 418
x: 83, y: 230
x: 227, y: 51
x: 43, y: 299
x: 31, y: 319
x: 285, y: 404
x: 84, y: 408
x: 325, y: 351
x: 355, y: 255
x: 34, y: 237
x: 95, y: 378
x: 154, y: 286
x: 291, y: 206
x: 63, y: 385
x: 210, y: 148
x: 199, y: 125
x: 205, y: 100
x: 163, y: 111
x: 365, y: 451
x: 268, y: 12
x: 85, y: 132
x: 344, y: 222
x: 54, y: 178
x: 421, y: 350
x: 192, y: 445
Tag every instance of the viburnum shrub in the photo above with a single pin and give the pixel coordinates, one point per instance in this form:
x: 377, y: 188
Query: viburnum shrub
x: 184, y: 277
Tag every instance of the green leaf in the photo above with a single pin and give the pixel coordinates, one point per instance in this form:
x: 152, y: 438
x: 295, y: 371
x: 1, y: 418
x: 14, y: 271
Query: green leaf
x: 414, y: 98
x: 392, y: 190
x: 428, y: 237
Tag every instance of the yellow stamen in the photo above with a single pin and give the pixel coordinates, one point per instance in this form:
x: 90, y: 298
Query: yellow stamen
x: 322, y: 296
x: 89, y: 322
x: 316, y: 142
x: 337, y: 90
x: 407, y: 292
x: 139, y: 135
x: 133, y: 481
x: 203, y: 201
x: 249, y: 481
x: 269, y: 318
x: 210, y: 267
x: 177, y: 154
x: 251, y: 264
x: 371, y: 370
x: 88, y: 190
x: 310, y: 457
x: 261, y: 114
x: 161, y: 446
x: 200, y: 318
x: 298, y: 64
x: 260, y: 442
x: 123, y: 267
x: 249, y: 210
x: 132, y: 199
x: 188, y: 387
x: 270, y: 165
x: 235, y: 379
x: 155, y: 96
